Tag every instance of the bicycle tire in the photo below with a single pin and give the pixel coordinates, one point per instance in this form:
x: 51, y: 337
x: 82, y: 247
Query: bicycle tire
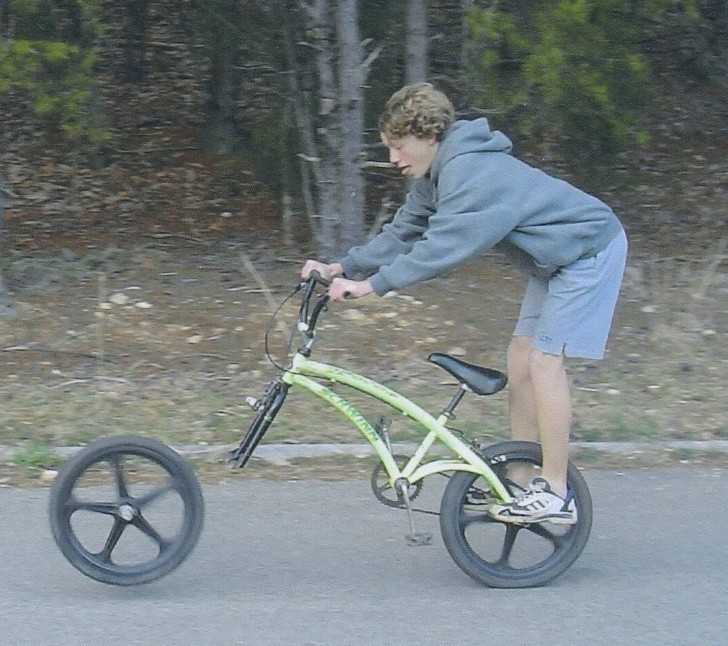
x: 64, y: 503
x: 468, y: 548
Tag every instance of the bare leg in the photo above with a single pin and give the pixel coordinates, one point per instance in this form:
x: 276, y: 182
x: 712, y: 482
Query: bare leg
x: 522, y: 403
x: 540, y: 409
x: 553, y: 413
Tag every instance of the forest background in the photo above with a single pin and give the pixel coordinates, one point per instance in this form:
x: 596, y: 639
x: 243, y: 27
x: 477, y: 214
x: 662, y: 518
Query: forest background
x: 161, y: 158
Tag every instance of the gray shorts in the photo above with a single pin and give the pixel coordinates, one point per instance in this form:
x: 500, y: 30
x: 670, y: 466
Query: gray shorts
x: 571, y: 312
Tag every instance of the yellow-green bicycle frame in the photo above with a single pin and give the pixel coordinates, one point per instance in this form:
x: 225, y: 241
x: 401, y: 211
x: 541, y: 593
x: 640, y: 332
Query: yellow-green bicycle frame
x: 300, y: 373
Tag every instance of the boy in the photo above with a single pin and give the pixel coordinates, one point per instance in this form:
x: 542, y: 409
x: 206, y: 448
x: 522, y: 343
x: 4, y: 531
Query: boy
x: 468, y: 195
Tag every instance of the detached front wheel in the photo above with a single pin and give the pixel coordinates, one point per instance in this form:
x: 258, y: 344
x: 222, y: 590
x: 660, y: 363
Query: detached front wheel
x: 126, y: 510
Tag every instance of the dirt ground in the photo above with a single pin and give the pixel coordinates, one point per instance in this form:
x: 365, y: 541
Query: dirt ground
x: 161, y: 333
x: 138, y: 311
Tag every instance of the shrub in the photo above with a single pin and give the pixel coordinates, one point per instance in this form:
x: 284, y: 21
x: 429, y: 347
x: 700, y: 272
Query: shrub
x: 570, y: 68
x: 50, y: 59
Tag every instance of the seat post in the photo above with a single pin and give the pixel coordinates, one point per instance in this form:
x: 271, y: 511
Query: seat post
x: 449, y: 412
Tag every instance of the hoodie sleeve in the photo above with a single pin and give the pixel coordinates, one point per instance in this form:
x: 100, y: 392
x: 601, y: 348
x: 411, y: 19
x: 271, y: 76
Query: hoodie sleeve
x: 475, y: 211
x: 397, y: 237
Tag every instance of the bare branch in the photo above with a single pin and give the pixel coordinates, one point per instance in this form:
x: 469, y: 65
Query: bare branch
x: 308, y: 158
x: 267, y: 292
x: 376, y: 164
x: 304, y: 43
x: 382, y: 216
x: 373, y: 56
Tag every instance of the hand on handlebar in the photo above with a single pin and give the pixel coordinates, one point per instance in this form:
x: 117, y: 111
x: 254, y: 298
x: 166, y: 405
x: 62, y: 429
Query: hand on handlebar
x: 342, y: 288
x: 327, y: 272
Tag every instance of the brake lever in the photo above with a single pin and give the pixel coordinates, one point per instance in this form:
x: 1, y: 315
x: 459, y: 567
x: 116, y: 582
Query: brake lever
x: 308, y: 285
x: 317, y: 277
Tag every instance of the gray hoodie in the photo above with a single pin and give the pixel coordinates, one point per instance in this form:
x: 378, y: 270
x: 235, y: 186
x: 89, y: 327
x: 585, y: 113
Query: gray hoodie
x: 476, y: 196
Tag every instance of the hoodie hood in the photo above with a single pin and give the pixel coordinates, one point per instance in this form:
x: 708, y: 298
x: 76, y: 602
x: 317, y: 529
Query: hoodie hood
x: 464, y: 137
x: 477, y: 195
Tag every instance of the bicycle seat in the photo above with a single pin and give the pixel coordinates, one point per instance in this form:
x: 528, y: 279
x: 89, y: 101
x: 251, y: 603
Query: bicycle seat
x: 482, y: 381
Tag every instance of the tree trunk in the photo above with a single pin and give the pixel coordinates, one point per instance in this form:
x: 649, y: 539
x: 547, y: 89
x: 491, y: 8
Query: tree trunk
x: 302, y: 116
x: 134, y: 48
x: 327, y: 128
x: 351, y: 80
x: 465, y: 42
x: 220, y: 134
x: 220, y: 131
x: 5, y: 26
x: 416, y: 41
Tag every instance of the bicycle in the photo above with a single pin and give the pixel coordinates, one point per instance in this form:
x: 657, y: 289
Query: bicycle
x: 487, y: 550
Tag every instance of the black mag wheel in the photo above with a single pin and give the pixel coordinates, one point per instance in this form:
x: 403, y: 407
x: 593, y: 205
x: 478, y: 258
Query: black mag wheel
x: 505, y: 555
x: 126, y: 510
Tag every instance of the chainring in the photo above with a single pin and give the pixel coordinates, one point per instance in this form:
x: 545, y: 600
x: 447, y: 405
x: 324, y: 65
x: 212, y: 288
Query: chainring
x: 384, y: 492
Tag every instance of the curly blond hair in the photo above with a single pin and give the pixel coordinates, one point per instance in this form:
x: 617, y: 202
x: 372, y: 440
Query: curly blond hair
x: 418, y: 110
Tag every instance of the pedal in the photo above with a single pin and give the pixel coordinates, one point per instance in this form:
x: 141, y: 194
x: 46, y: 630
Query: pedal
x: 418, y: 539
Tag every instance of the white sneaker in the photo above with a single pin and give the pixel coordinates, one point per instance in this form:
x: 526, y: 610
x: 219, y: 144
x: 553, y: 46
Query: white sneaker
x: 538, y: 504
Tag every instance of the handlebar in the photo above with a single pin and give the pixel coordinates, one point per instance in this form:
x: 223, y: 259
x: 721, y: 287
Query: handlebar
x: 307, y: 321
x: 324, y: 281
x: 307, y: 316
x: 316, y: 276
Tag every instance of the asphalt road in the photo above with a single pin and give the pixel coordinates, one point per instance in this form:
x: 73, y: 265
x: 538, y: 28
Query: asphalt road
x: 314, y: 563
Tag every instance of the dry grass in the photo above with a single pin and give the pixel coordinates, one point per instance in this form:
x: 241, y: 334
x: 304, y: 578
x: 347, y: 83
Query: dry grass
x: 75, y: 370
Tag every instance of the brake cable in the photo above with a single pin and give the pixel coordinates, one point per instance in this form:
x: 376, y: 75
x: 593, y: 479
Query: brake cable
x: 272, y: 322
x: 303, y: 315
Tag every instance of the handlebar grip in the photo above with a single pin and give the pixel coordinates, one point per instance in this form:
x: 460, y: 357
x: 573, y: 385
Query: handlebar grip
x: 319, y: 278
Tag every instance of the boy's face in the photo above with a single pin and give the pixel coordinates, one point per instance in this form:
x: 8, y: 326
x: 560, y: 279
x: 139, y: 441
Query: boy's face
x: 411, y: 155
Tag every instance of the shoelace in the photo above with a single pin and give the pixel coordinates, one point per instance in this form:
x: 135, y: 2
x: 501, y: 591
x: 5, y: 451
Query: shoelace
x: 530, y: 496
x: 531, y: 490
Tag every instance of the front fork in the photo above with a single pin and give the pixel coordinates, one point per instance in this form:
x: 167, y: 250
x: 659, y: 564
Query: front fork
x: 266, y: 408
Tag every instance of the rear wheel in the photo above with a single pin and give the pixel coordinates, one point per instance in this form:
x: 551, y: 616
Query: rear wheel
x: 126, y: 510
x: 505, y: 555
